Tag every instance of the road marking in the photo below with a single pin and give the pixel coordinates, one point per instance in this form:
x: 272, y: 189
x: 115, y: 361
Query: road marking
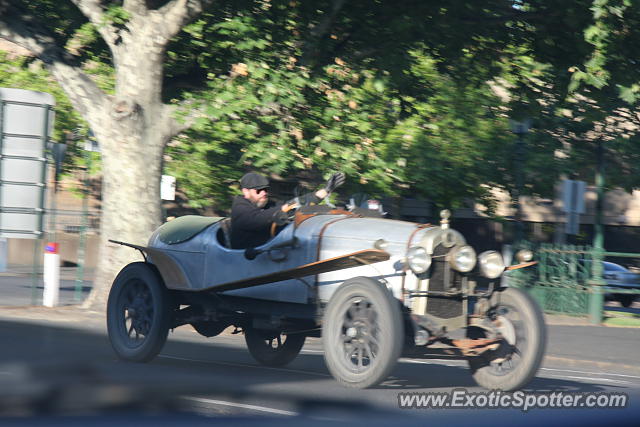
x: 592, y: 373
x: 405, y: 359
x: 573, y: 377
x: 242, y: 365
x: 445, y: 362
x: 243, y: 406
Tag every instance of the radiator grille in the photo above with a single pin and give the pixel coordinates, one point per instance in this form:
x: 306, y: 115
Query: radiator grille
x: 443, y: 307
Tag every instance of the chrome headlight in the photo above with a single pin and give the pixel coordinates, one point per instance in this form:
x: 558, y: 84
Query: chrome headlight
x: 418, y: 259
x: 524, y: 255
x: 462, y: 258
x: 491, y: 264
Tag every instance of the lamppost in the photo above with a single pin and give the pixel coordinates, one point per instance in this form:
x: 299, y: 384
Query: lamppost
x: 519, y: 128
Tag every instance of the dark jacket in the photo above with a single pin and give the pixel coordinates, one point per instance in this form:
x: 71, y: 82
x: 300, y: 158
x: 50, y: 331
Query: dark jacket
x: 251, y: 225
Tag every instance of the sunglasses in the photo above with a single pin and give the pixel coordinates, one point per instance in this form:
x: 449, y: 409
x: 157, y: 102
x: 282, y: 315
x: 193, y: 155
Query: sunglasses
x: 260, y: 190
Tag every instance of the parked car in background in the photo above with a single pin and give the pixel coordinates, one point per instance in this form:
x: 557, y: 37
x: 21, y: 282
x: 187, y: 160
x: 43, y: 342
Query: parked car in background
x: 617, y: 276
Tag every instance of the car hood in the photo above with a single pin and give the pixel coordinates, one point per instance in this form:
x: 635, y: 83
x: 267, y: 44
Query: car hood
x: 354, y: 233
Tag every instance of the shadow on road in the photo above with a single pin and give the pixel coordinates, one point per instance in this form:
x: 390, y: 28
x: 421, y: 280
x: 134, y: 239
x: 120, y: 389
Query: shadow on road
x: 54, y: 356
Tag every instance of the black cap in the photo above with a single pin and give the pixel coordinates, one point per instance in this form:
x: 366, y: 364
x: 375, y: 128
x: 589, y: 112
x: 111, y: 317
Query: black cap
x: 254, y: 180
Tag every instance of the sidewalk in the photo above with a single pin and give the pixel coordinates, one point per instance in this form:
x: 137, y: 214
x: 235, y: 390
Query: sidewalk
x: 66, y: 273
x: 19, y: 286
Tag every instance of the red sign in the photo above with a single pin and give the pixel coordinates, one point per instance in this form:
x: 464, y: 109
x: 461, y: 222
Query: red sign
x: 51, y: 248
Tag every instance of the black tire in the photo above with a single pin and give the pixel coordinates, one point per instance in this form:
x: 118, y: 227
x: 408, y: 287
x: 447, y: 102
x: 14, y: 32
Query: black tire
x: 138, y: 313
x: 362, y: 333
x: 209, y: 329
x: 626, y: 299
x: 512, y: 365
x: 273, y: 348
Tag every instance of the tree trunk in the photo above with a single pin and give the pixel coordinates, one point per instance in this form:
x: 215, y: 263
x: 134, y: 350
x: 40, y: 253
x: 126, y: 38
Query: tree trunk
x: 132, y: 143
x: 132, y: 140
x: 130, y: 206
x: 132, y: 127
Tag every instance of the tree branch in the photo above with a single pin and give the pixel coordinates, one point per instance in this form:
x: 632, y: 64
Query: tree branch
x: 22, y: 29
x: 137, y: 7
x: 320, y: 30
x: 178, y: 13
x: 323, y: 26
x: 176, y: 126
x: 94, y: 13
x: 171, y: 126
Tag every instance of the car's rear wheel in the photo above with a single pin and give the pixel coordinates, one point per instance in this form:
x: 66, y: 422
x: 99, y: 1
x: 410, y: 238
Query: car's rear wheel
x: 362, y: 333
x: 518, y: 319
x: 273, y: 348
x: 138, y: 313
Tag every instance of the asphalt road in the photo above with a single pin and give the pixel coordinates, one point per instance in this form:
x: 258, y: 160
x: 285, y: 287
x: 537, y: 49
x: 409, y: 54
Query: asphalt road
x: 60, y: 362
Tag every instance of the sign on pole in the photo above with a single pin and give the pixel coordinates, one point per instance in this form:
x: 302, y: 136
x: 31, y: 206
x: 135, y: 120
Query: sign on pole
x: 168, y: 187
x: 26, y: 121
x: 573, y: 204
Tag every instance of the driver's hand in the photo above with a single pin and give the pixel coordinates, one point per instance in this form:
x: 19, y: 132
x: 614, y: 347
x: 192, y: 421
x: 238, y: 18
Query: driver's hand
x: 282, y: 218
x: 291, y: 206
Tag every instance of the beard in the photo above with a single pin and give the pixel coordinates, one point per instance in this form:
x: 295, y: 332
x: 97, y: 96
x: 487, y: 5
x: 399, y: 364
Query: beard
x: 261, y: 203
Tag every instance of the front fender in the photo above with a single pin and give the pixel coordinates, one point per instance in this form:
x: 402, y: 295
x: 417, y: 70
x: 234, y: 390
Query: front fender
x: 170, y: 270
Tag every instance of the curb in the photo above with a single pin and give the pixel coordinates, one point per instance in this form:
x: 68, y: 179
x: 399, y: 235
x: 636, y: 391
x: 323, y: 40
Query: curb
x: 61, y: 314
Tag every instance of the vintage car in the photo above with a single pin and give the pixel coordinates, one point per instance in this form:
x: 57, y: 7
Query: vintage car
x: 371, y: 288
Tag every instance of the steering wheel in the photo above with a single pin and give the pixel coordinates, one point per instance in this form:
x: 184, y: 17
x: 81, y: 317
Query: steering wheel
x: 291, y: 207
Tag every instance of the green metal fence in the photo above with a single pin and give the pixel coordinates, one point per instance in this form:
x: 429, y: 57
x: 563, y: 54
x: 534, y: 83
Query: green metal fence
x: 569, y: 279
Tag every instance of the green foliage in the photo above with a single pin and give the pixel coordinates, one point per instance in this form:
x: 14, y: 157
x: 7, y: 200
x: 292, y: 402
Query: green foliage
x: 401, y: 96
x: 416, y: 131
x: 359, y: 123
x: 205, y: 169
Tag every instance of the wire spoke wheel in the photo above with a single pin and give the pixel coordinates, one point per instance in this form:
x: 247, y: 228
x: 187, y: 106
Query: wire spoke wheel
x: 362, y: 333
x: 518, y: 321
x: 137, y: 305
x: 358, y: 333
x: 138, y: 313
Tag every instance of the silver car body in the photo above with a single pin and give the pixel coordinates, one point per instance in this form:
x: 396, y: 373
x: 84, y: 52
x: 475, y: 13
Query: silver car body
x: 204, y: 262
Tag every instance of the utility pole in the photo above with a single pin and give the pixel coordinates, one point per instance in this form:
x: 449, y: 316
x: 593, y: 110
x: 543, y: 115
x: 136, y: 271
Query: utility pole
x: 597, y: 297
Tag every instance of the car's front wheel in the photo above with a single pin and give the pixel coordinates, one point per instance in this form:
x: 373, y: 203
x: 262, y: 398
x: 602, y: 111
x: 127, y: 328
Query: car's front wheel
x: 519, y: 322
x: 362, y: 333
x: 138, y: 313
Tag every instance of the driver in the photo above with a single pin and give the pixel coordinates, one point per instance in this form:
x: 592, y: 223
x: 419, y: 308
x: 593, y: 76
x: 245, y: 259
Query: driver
x: 252, y: 213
